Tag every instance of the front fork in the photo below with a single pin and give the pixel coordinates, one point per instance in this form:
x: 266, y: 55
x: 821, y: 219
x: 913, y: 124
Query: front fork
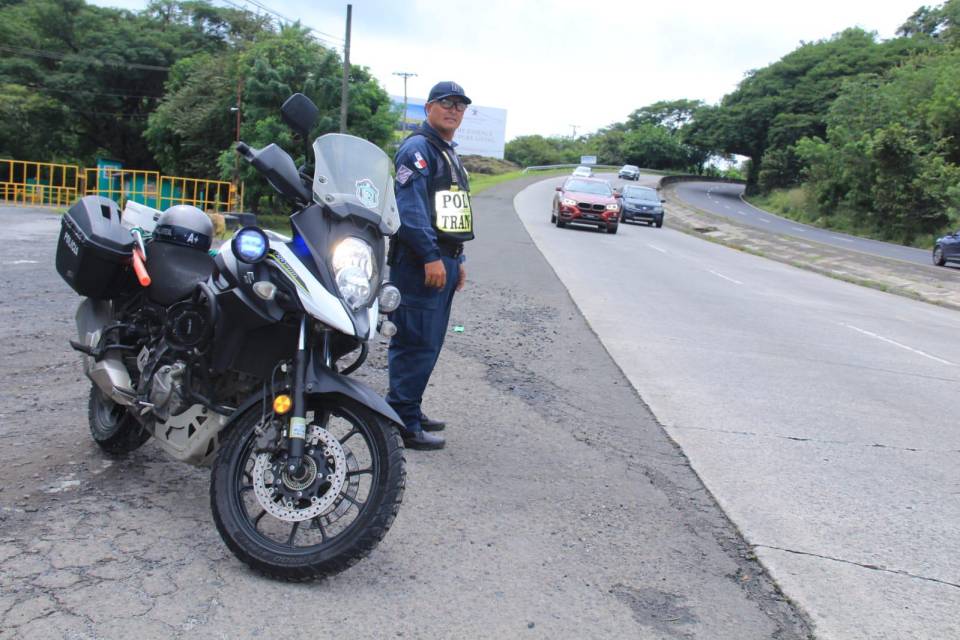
x: 297, y: 432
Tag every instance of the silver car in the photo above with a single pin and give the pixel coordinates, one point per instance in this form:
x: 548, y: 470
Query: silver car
x: 583, y: 172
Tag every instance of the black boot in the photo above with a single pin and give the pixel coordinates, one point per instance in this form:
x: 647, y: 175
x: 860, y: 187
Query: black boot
x: 431, y: 425
x: 423, y: 441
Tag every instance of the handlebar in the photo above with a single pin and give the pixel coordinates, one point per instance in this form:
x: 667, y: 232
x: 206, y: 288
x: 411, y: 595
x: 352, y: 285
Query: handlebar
x: 244, y: 149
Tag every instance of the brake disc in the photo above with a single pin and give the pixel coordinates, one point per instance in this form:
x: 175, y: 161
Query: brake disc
x: 265, y: 481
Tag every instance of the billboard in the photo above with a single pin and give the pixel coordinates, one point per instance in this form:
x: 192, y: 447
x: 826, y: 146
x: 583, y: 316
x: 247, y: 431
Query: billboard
x: 482, y: 132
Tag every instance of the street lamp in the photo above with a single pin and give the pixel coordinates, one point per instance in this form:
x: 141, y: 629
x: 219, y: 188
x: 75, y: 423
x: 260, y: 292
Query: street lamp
x: 404, y: 75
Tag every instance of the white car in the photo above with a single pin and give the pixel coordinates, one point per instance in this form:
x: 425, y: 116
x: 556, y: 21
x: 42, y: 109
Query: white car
x: 583, y: 172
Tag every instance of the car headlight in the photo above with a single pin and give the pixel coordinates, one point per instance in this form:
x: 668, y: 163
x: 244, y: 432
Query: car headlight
x: 613, y: 207
x: 568, y: 202
x: 354, y: 271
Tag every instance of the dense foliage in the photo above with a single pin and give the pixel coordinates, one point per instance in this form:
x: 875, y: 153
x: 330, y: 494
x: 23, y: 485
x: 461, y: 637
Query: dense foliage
x: 155, y: 89
x: 653, y: 137
x: 867, y: 131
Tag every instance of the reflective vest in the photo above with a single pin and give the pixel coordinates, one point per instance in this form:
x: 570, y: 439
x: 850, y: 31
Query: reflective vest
x: 449, y: 194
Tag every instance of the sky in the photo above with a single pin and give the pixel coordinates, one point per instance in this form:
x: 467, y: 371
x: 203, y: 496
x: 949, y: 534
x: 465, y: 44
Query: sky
x: 565, y: 66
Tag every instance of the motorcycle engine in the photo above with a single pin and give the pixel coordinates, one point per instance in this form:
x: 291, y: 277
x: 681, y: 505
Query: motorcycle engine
x: 166, y: 391
x: 187, y: 325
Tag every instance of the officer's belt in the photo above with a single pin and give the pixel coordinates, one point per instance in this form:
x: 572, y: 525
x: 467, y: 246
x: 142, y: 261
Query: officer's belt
x: 450, y: 250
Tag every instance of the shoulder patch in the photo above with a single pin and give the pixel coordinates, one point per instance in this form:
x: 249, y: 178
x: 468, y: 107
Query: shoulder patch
x: 414, y: 155
x: 403, y: 174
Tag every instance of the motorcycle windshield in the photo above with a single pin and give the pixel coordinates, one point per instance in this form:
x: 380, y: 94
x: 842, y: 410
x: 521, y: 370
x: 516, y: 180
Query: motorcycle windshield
x: 353, y: 170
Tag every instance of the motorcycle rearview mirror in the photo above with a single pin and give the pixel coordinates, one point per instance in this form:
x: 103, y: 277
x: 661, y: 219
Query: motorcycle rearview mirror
x: 300, y: 114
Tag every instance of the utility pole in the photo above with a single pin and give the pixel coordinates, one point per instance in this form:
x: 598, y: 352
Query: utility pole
x: 236, y: 156
x: 345, y: 88
x: 404, y: 75
x: 574, y: 127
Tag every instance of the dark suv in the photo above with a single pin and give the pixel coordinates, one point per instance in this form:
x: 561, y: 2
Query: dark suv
x: 643, y: 204
x: 947, y: 249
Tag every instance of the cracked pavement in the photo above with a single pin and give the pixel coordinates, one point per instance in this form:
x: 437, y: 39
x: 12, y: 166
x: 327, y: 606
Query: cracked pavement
x: 558, y: 508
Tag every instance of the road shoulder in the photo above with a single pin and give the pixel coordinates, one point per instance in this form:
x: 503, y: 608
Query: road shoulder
x: 935, y: 285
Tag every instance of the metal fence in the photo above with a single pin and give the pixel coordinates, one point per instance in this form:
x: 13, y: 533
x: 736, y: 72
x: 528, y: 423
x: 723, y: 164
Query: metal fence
x: 38, y: 183
x: 30, y: 183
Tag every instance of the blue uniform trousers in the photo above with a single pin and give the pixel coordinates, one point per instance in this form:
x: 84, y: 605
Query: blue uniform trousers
x: 421, y: 320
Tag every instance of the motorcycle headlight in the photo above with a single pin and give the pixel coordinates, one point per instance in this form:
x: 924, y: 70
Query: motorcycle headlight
x: 389, y: 298
x: 354, y: 271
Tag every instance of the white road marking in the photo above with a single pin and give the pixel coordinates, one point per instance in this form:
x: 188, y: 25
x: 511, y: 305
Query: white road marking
x: 763, y: 220
x: 655, y: 248
x: 720, y: 275
x: 726, y: 206
x: 842, y: 238
x: 21, y: 262
x: 800, y: 229
x: 897, y: 344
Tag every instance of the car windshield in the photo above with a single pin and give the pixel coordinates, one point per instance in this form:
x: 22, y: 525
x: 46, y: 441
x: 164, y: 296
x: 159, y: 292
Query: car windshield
x: 587, y: 186
x: 351, y: 169
x: 629, y: 167
x: 641, y: 193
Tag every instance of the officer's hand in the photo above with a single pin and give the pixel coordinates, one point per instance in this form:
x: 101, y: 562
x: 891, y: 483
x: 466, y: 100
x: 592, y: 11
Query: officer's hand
x: 462, y: 279
x: 436, y: 274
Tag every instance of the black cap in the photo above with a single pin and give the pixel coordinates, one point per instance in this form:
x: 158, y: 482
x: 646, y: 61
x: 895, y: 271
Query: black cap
x: 447, y: 89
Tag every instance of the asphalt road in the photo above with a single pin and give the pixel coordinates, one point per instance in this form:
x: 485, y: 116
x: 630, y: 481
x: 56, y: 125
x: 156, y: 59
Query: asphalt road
x: 821, y: 415
x: 726, y: 200
x: 559, y: 508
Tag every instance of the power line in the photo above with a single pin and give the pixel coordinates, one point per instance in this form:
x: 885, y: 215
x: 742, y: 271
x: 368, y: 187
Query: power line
x: 332, y: 41
x: 41, y: 53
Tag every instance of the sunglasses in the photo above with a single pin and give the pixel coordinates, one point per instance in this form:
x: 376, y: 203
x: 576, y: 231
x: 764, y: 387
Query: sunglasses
x: 447, y: 103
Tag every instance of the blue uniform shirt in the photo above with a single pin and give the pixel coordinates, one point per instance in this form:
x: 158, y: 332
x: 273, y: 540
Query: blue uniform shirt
x: 417, y: 163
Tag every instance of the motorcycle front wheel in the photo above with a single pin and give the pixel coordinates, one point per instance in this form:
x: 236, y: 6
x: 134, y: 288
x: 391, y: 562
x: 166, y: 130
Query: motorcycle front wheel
x: 327, y: 518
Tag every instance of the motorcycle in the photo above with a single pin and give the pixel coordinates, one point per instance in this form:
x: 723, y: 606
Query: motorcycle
x: 232, y: 359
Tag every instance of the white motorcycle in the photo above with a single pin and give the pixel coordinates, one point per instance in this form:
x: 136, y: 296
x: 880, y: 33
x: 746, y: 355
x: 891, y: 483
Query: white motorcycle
x: 232, y: 359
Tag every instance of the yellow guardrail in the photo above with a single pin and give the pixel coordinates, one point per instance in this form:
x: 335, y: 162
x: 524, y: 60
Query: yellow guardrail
x: 38, y: 183
x: 121, y: 185
x: 24, y: 182
x: 209, y: 195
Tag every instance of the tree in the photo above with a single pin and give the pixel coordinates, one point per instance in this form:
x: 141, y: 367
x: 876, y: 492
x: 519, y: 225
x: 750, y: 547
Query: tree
x: 776, y: 106
x: 105, y: 68
x: 672, y: 114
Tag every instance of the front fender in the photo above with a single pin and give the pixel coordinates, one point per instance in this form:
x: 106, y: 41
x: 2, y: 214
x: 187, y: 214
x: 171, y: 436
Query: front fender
x: 322, y: 381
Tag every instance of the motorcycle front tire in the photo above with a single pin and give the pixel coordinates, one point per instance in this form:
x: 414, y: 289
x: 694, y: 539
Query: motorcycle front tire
x: 327, y: 558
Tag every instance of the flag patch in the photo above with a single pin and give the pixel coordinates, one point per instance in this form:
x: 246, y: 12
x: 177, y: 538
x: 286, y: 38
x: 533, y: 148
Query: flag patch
x: 418, y: 161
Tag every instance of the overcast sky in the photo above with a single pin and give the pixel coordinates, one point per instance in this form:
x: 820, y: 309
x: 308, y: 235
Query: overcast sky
x: 587, y: 63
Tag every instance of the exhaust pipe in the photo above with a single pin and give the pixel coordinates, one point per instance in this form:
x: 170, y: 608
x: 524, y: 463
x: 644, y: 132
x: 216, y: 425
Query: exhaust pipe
x: 109, y: 374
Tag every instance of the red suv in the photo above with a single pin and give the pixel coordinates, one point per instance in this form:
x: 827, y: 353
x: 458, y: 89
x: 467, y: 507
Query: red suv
x: 586, y: 201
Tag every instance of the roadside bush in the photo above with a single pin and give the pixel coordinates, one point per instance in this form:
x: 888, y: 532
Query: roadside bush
x: 489, y: 166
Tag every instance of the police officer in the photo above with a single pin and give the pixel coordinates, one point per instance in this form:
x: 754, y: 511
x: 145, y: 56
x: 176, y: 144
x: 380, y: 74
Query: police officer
x: 426, y: 256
